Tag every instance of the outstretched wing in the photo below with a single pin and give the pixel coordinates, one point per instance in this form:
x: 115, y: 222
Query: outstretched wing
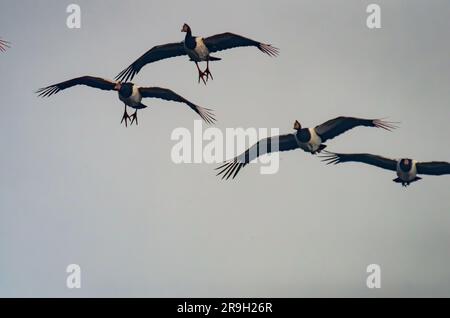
x: 157, y: 92
x: 435, y: 168
x: 225, y: 41
x: 339, y: 125
x: 91, y: 81
x: 4, y: 45
x: 264, y: 146
x: 374, y: 160
x: 156, y: 53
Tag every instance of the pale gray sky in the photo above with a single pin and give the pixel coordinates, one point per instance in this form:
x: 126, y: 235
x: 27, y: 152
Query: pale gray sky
x: 77, y: 187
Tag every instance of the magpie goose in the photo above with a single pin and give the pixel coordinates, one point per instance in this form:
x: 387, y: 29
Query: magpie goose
x: 197, y: 48
x: 308, y: 139
x: 130, y: 94
x: 407, y: 169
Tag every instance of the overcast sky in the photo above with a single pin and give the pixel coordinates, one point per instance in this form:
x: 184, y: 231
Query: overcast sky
x: 77, y: 187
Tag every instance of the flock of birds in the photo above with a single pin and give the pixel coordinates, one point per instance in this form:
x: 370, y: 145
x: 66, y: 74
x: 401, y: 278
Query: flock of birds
x: 199, y: 49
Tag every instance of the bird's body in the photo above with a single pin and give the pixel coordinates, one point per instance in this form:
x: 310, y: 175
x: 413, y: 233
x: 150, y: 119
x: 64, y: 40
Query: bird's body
x: 131, y: 97
x: 197, y: 48
x: 198, y: 52
x: 130, y: 94
x: 310, y: 140
x: 405, y: 168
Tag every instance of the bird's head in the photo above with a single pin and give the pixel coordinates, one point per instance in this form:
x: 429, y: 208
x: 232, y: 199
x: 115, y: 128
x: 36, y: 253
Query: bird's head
x: 297, y: 125
x: 405, y: 164
x: 185, y: 28
x: 118, y: 86
x: 124, y: 89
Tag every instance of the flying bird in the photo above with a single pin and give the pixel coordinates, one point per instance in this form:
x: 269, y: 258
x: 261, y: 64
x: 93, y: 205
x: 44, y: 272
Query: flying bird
x: 4, y: 45
x: 130, y: 94
x: 308, y: 139
x: 407, y: 169
x: 197, y: 48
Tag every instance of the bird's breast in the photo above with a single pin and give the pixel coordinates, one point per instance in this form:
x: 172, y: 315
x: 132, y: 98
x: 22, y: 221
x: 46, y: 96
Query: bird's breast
x: 134, y: 99
x: 407, y: 175
x: 315, y: 141
x: 200, y: 49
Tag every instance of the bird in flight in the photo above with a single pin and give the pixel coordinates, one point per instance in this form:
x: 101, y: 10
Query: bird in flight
x: 130, y: 94
x: 407, y: 169
x: 197, y: 48
x: 308, y: 139
x: 4, y: 45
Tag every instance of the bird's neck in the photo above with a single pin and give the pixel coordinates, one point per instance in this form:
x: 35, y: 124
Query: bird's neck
x: 188, y: 35
x: 303, y: 134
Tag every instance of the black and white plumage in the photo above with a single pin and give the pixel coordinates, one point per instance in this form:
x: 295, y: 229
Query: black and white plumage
x: 197, y: 48
x: 4, y: 45
x: 308, y: 139
x: 130, y: 94
x: 407, y: 169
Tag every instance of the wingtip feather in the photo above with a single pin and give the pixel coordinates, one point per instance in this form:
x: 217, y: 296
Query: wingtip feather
x: 269, y: 49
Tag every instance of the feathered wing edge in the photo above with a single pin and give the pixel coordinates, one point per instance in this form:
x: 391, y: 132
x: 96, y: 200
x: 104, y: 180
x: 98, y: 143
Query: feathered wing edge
x: 91, y: 81
x: 127, y: 74
x: 4, y: 45
x: 167, y: 94
x: 387, y: 125
x: 228, y: 40
x: 281, y: 143
x: 230, y: 167
x: 370, y: 159
x: 433, y: 168
x: 156, y: 53
x: 269, y: 49
x: 337, y: 126
x: 48, y: 91
x: 332, y: 158
x: 206, y: 114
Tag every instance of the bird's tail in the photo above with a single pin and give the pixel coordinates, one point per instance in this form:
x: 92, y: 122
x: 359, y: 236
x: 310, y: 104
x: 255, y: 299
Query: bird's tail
x: 321, y: 147
x: 141, y: 106
x: 212, y: 58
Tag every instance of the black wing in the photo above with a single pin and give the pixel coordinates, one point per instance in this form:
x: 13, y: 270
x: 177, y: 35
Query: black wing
x: 156, y: 53
x: 157, y: 92
x: 435, y: 168
x: 339, y: 125
x: 95, y: 82
x: 264, y: 146
x: 4, y: 45
x: 225, y: 41
x: 378, y: 161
